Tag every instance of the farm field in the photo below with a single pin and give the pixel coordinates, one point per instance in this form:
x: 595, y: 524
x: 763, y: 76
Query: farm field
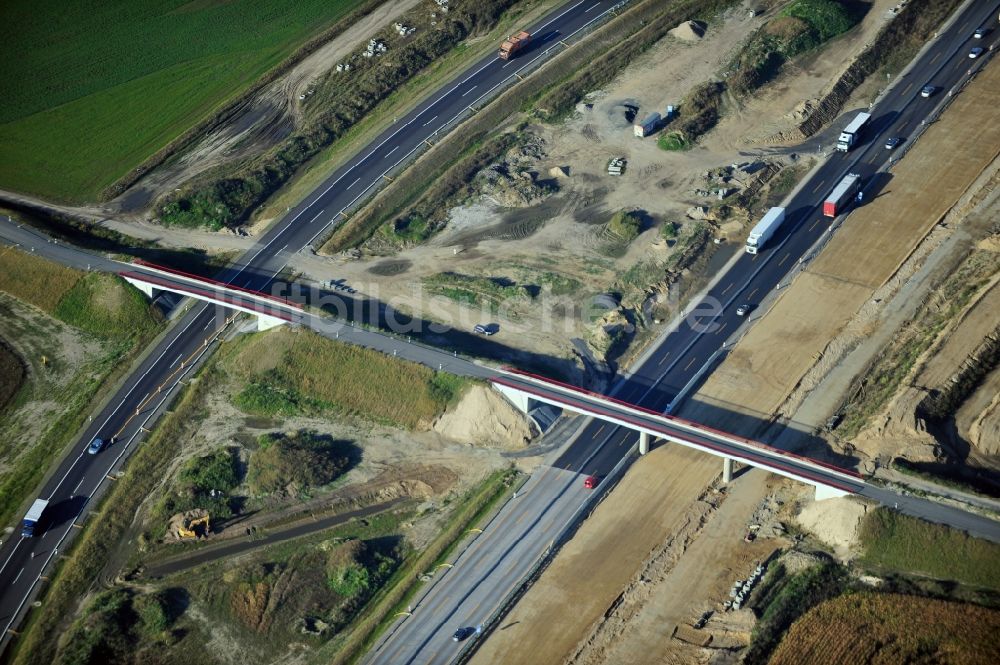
x: 117, y: 81
x: 891, y: 628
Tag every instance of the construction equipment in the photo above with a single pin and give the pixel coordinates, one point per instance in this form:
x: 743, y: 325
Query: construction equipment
x: 191, y: 524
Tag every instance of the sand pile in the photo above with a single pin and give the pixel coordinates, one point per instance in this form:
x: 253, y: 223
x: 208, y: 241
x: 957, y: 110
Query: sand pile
x: 834, y: 521
x: 483, y: 417
x: 689, y: 31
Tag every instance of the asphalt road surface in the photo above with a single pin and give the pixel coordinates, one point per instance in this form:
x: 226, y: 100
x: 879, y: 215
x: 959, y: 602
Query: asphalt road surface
x: 74, y: 482
x: 469, y: 593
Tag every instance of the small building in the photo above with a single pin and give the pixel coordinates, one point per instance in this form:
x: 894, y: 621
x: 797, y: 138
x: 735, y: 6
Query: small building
x: 648, y: 125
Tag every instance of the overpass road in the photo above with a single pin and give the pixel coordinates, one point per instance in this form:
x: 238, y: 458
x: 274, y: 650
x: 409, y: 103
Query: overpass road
x: 498, y: 560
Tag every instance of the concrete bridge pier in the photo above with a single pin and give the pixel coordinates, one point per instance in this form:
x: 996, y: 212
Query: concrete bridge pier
x: 142, y: 286
x: 727, y: 469
x: 643, y: 443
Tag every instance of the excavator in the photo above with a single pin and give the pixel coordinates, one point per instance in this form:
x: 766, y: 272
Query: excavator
x: 193, y: 527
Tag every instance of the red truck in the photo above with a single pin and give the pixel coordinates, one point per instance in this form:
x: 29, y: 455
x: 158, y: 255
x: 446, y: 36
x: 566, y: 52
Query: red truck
x: 842, y: 195
x: 513, y: 44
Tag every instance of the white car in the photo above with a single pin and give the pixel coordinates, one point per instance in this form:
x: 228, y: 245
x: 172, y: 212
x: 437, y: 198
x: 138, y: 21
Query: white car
x: 974, y: 53
x: 978, y: 34
x: 927, y: 91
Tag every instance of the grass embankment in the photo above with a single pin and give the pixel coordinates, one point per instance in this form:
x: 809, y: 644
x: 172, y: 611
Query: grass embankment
x: 345, y: 98
x: 152, y: 70
x: 105, y: 525
x: 896, y: 542
x: 103, y: 305
x: 11, y: 374
x: 872, y: 391
x: 889, y: 628
x: 290, y: 372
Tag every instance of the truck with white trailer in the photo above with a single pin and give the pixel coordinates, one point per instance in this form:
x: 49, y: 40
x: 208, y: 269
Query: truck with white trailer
x: 849, y: 136
x: 841, y: 195
x: 33, y: 517
x: 648, y: 125
x: 764, y: 229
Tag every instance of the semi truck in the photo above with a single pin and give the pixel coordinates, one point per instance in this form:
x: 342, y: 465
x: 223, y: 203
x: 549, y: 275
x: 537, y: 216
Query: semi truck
x: 513, y: 44
x: 852, y: 132
x: 841, y: 195
x: 33, y: 517
x: 764, y: 229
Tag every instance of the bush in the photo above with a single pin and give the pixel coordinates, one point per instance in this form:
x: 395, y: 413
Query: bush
x: 215, y: 471
x: 624, y: 226
x: 301, y: 459
x: 668, y: 231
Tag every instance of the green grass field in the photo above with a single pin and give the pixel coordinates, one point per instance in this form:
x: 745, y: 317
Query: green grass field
x: 96, y: 88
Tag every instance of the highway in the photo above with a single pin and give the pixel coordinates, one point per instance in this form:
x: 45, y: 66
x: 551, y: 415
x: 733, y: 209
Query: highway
x: 144, y: 394
x: 493, y: 565
x: 514, y: 540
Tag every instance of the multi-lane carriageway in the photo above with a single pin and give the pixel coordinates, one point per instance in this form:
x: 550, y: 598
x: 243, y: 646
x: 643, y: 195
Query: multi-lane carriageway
x: 656, y: 380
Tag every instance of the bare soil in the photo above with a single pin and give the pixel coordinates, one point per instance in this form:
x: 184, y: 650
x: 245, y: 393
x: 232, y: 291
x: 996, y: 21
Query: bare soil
x: 658, y: 498
x: 861, y: 258
x: 55, y: 355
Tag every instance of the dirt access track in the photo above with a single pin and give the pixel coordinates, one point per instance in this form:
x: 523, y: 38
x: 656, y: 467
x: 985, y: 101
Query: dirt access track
x: 862, y: 255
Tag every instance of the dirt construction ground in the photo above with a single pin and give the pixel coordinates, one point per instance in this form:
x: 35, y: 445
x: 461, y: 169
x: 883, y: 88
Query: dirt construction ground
x: 863, y: 254
x: 658, y: 499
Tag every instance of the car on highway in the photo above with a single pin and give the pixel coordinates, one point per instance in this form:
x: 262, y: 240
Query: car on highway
x: 976, y: 52
x: 96, y: 446
x: 927, y: 91
x: 590, y: 482
x: 744, y: 309
x: 462, y: 633
x: 893, y: 142
x: 979, y: 33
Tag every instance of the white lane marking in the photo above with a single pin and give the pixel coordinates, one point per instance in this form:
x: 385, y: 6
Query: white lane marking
x: 356, y: 181
x: 587, y: 11
x: 390, y: 152
x: 179, y: 356
x: 317, y: 216
x: 425, y: 124
x: 207, y: 325
x: 469, y: 90
x: 16, y: 545
x: 19, y: 574
x: 78, y: 485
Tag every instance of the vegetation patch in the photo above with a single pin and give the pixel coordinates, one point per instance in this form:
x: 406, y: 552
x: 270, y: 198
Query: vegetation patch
x: 120, y: 626
x: 345, y: 99
x: 296, y: 461
x: 896, y: 542
x: 106, y: 305
x: 12, y: 373
x: 35, y: 280
x: 289, y: 372
x: 153, y: 70
x: 783, y: 598
x: 204, y: 482
x: 492, y: 292
x: 872, y: 627
x: 624, y: 227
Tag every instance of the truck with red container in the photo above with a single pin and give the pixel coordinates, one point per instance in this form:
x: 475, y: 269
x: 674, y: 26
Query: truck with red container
x: 513, y: 44
x: 841, y: 195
